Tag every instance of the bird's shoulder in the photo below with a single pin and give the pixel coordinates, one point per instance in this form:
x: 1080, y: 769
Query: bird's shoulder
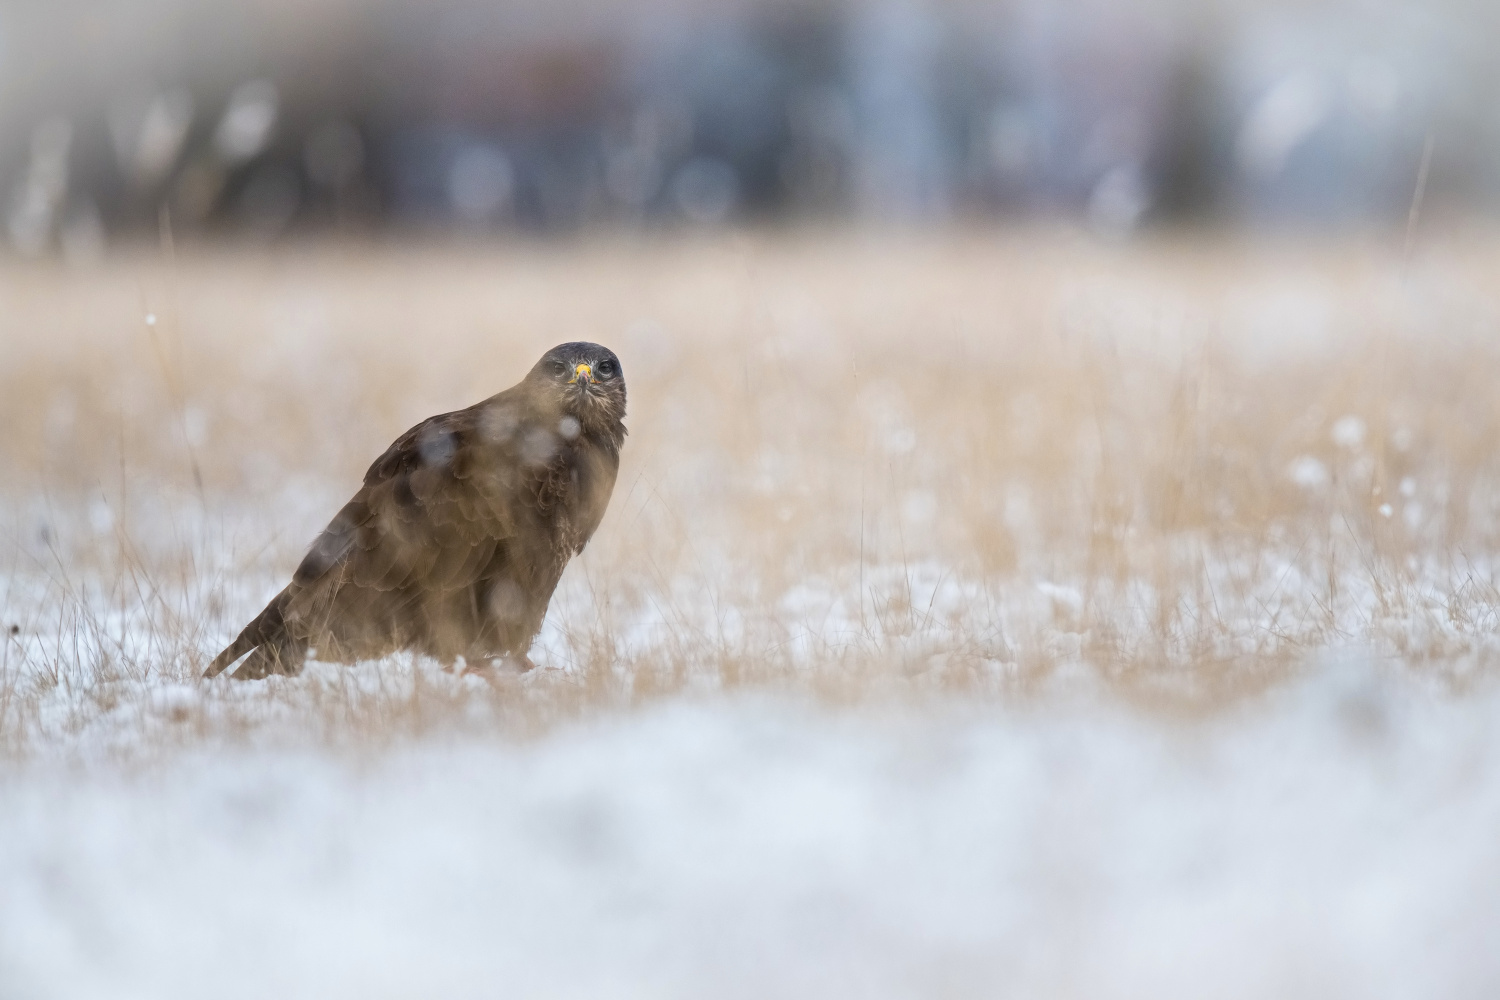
x: 458, y: 443
x: 442, y: 483
x: 436, y: 442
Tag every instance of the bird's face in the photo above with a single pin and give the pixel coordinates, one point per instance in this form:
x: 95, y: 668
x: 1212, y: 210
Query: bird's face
x: 586, y: 380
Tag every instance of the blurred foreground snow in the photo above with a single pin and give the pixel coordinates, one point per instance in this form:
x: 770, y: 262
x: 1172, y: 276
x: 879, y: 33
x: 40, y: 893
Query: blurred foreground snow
x: 1335, y: 838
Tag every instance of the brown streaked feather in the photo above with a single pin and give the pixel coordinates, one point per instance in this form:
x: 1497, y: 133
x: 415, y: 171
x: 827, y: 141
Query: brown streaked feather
x: 456, y: 539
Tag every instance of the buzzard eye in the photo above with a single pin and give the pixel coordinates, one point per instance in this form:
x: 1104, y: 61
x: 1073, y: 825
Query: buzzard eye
x: 606, y: 367
x: 559, y: 368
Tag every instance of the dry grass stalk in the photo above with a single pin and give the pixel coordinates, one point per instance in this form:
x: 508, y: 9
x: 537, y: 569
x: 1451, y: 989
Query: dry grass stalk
x: 859, y: 466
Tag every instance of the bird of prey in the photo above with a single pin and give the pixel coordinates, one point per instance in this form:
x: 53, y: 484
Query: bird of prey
x: 456, y: 540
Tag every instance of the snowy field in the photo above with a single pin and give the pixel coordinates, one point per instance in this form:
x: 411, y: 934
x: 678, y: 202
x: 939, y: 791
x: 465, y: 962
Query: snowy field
x: 975, y: 616
x: 1336, y: 840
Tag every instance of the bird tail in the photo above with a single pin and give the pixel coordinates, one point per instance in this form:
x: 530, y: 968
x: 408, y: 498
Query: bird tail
x: 275, y: 651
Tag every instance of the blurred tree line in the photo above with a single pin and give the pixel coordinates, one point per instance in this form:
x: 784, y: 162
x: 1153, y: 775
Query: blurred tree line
x: 260, y: 118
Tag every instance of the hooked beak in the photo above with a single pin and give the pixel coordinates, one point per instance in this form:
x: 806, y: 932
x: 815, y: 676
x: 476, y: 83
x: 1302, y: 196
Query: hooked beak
x: 583, y: 373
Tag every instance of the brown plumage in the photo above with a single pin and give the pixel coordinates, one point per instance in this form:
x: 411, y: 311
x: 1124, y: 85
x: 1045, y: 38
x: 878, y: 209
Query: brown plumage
x: 460, y: 533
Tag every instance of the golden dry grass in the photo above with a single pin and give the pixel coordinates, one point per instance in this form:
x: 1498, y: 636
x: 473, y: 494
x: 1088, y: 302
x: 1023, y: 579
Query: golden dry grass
x: 893, y: 464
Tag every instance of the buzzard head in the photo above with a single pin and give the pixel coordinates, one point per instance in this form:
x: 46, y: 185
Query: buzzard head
x: 585, y: 382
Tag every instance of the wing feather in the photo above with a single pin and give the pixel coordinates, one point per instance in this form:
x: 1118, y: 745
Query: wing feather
x: 422, y: 518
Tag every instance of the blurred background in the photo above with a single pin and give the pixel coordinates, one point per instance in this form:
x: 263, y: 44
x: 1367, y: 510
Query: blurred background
x: 260, y: 118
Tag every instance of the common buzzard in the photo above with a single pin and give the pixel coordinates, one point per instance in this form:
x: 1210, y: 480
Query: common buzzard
x: 460, y: 533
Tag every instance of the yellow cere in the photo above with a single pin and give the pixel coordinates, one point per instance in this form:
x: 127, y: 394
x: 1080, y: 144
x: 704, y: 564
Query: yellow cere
x: 582, y: 371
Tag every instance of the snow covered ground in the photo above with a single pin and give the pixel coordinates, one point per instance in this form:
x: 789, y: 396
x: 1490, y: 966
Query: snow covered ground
x: 972, y: 618
x: 1335, y: 839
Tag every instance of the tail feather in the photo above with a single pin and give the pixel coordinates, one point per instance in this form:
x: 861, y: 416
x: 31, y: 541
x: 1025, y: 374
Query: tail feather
x: 267, y: 636
x: 271, y: 658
